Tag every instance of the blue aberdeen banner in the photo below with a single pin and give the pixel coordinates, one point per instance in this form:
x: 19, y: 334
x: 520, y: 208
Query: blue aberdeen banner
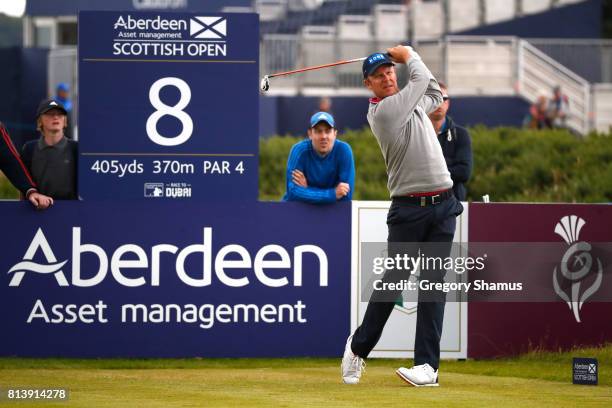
x: 175, y: 280
x: 168, y: 106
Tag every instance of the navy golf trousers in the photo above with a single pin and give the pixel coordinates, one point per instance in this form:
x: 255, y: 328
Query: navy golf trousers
x: 410, y: 223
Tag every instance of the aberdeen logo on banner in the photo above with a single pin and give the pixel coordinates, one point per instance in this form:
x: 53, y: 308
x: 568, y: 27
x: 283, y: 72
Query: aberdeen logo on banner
x: 216, y: 264
x: 576, y: 265
x: 27, y: 265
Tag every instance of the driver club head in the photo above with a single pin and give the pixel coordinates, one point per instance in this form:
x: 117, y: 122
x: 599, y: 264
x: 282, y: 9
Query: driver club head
x: 265, y: 83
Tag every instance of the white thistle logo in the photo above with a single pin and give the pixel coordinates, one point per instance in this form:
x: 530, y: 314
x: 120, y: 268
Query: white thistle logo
x: 27, y: 265
x: 577, y: 255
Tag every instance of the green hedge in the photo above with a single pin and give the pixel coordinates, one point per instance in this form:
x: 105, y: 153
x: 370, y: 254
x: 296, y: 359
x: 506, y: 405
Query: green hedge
x: 510, y: 164
x: 7, y: 191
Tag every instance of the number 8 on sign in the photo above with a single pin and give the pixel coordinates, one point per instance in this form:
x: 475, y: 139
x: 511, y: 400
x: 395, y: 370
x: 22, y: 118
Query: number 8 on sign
x: 175, y: 111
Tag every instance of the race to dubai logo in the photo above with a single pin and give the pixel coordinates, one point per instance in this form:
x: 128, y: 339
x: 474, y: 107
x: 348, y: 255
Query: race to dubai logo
x: 575, y: 265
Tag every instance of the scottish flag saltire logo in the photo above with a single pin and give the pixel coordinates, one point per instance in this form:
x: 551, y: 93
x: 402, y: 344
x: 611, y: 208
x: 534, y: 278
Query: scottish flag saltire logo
x: 39, y: 242
x: 576, y: 265
x: 208, y: 27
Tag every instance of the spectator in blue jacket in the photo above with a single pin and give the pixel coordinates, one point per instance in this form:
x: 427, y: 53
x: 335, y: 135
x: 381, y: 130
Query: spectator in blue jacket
x: 320, y: 169
x: 456, y: 145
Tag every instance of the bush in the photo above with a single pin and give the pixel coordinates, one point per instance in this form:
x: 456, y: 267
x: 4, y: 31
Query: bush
x: 541, y: 166
x: 7, y: 191
x: 510, y: 165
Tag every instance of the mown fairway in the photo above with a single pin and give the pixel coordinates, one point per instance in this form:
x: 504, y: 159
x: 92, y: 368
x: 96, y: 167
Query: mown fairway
x: 537, y: 379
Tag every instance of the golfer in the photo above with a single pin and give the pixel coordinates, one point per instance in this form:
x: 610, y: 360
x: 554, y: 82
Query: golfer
x: 423, y: 208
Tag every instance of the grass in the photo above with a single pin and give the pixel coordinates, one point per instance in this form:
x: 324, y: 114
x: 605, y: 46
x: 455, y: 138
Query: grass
x: 7, y: 191
x: 534, y: 379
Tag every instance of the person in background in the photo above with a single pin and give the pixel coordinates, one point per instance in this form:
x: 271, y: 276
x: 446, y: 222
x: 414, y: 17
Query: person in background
x: 62, y: 95
x: 558, y: 108
x: 325, y: 104
x: 456, y: 145
x: 538, y: 117
x: 52, y: 159
x: 15, y: 170
x: 320, y: 169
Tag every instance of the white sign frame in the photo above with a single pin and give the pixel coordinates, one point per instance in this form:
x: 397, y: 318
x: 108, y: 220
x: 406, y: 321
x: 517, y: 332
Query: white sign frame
x: 397, y: 340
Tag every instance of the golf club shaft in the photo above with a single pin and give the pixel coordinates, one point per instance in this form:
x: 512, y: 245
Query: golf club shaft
x: 333, y: 64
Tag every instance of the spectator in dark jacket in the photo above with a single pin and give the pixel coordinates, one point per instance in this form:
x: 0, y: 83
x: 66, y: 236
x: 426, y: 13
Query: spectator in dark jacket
x: 456, y: 145
x: 52, y: 159
x: 14, y: 169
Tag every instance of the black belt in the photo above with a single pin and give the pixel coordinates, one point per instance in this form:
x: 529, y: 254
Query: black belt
x: 424, y: 201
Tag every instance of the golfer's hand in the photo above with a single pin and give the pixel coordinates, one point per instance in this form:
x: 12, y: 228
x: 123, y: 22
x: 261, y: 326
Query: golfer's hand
x: 342, y: 189
x: 299, y: 178
x: 40, y: 201
x: 399, y: 54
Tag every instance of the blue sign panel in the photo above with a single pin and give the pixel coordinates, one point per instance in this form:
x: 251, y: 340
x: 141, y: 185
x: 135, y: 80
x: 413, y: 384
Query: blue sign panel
x: 264, y: 279
x: 168, y: 105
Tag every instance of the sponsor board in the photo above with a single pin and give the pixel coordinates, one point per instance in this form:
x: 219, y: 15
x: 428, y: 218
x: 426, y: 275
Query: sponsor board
x: 259, y: 279
x: 263, y: 279
x: 575, y: 310
x: 169, y: 98
x: 397, y: 341
x: 585, y: 371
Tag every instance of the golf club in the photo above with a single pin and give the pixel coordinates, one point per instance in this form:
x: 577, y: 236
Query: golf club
x: 265, y: 81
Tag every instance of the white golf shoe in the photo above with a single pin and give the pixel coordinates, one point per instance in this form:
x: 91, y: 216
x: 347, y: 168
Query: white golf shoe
x: 352, y: 365
x: 420, y: 376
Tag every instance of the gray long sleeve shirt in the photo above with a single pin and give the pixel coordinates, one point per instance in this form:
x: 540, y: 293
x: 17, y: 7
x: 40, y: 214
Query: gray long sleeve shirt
x: 406, y: 136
